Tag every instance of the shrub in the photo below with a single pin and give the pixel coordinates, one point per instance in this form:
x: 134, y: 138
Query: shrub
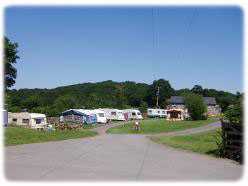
x: 234, y: 113
x: 196, y: 106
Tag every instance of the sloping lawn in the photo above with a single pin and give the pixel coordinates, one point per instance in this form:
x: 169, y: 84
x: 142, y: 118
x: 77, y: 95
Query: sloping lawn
x: 204, y: 142
x: 18, y: 135
x: 158, y: 126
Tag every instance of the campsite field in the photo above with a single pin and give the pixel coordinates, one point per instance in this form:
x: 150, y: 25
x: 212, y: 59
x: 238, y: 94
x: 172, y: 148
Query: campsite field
x: 18, y: 135
x: 204, y: 142
x: 157, y: 126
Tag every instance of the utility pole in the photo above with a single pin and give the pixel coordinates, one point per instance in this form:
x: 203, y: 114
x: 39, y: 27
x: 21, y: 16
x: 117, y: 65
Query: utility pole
x: 157, y: 96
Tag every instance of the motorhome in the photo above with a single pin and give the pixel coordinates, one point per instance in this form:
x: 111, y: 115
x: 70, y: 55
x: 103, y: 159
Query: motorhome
x: 156, y: 113
x: 114, y: 114
x: 133, y: 114
x: 31, y: 120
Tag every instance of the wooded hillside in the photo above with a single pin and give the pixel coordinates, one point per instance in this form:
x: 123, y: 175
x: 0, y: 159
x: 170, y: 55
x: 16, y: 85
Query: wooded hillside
x: 103, y: 94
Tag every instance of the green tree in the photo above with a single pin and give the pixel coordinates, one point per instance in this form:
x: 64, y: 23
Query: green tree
x: 143, y: 107
x: 197, y: 89
x: 63, y: 103
x: 196, y: 106
x: 234, y: 113
x: 165, y: 92
x: 10, y: 57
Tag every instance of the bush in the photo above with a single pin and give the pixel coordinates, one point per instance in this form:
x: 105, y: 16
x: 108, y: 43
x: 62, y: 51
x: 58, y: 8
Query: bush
x: 196, y: 106
x: 234, y: 113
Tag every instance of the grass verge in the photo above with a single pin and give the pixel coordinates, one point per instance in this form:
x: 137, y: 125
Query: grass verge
x: 18, y: 135
x: 204, y: 142
x: 157, y: 126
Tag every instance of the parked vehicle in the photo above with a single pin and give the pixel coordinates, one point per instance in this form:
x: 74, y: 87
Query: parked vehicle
x: 156, y: 113
x: 5, y: 118
x: 90, y: 119
x: 32, y: 120
x: 99, y: 114
x: 114, y: 114
x: 83, y: 116
x: 133, y: 114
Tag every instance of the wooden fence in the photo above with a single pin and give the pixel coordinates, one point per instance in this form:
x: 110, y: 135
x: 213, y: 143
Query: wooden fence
x: 232, y: 141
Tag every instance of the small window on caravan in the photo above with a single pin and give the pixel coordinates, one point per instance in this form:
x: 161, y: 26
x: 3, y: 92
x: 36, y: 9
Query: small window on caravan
x: 158, y: 111
x: 138, y: 113
x: 150, y: 111
x: 25, y: 121
x: 14, y: 120
x: 38, y: 121
x: 133, y: 114
x: 101, y: 114
x: 113, y: 113
x: 163, y: 112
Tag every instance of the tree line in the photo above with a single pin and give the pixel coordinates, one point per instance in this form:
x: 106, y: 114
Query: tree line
x: 106, y: 94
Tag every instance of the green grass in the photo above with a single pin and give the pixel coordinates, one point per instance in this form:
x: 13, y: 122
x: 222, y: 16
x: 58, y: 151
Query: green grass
x: 156, y: 126
x: 18, y: 135
x: 90, y: 126
x: 204, y: 142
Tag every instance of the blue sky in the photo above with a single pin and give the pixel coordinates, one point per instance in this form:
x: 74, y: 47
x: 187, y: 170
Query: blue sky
x: 68, y: 45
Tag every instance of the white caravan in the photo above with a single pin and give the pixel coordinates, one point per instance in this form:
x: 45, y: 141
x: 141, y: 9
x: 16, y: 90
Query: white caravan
x: 100, y: 115
x: 114, y: 114
x: 133, y: 114
x: 32, y: 120
x: 156, y: 113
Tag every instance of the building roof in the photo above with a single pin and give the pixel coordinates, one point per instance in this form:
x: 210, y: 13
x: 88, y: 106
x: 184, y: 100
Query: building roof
x: 210, y: 100
x: 176, y: 100
x: 180, y: 100
x: 175, y: 110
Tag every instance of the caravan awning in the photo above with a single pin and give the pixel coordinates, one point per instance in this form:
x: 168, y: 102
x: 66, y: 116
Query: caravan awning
x: 72, y: 112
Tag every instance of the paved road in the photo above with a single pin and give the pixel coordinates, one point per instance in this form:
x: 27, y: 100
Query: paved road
x: 128, y: 157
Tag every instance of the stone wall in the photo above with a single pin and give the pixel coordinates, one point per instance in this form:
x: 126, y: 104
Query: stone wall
x: 212, y: 109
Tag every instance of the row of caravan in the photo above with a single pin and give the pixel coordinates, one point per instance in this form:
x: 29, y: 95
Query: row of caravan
x: 99, y: 115
x: 102, y: 115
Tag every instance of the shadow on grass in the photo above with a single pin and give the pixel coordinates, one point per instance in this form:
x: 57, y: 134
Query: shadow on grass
x: 214, y: 152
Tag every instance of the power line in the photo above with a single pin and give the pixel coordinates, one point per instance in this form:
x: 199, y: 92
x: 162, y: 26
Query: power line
x: 153, y: 46
x: 186, y: 34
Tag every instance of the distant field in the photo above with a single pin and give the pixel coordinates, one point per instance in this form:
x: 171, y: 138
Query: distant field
x: 18, y: 135
x: 155, y: 126
x: 204, y: 142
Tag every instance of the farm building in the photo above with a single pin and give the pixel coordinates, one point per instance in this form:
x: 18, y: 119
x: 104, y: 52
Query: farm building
x: 176, y: 114
x: 177, y: 102
x: 31, y: 120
